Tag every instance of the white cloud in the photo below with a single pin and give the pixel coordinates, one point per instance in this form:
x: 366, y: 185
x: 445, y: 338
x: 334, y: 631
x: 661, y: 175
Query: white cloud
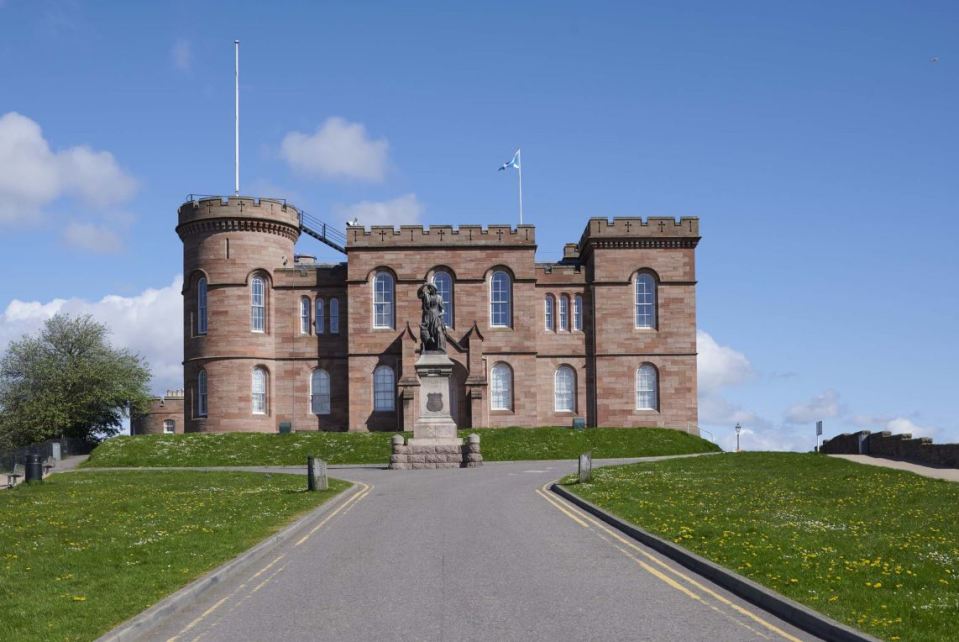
x: 182, y: 55
x: 822, y: 406
x: 93, y: 238
x: 718, y: 365
x: 403, y: 210
x: 895, y: 425
x: 33, y: 176
x: 149, y: 323
x: 338, y: 149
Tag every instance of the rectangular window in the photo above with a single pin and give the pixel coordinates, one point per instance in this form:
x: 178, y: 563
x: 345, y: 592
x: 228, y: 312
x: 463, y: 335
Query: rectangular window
x: 320, y: 316
x: 549, y: 313
x: 304, y: 315
x: 383, y: 301
x: 500, y: 300
x: 257, y: 306
x: 201, y: 307
x: 564, y: 313
x: 259, y: 392
x: 384, y: 395
x: 334, y: 316
x: 578, y: 313
x: 169, y: 426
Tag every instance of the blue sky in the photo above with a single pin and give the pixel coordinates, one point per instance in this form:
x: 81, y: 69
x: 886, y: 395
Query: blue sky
x: 816, y: 141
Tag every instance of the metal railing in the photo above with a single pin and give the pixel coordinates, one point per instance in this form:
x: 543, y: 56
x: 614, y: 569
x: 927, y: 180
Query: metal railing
x: 323, y: 232
x: 54, y: 449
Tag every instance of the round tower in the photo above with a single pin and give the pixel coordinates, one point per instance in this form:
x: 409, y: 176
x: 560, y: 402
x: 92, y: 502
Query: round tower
x: 231, y: 248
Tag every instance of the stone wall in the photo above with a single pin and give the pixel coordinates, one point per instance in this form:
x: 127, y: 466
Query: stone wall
x: 162, y: 409
x: 903, y: 447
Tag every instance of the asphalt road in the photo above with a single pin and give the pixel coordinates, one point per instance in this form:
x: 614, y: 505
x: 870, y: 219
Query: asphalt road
x: 472, y: 554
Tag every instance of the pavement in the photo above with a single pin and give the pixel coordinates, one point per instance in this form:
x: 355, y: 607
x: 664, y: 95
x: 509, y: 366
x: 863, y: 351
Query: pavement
x: 467, y: 554
x: 948, y: 474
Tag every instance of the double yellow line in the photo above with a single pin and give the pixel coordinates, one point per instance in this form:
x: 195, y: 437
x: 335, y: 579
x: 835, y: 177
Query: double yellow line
x: 364, y: 490
x: 640, y: 556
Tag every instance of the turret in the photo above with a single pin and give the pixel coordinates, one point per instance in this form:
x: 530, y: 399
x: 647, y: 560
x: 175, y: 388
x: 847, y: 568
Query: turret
x: 231, y: 247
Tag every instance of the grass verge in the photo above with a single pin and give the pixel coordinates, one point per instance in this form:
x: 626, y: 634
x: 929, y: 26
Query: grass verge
x: 498, y: 444
x: 83, y: 552
x: 875, y: 548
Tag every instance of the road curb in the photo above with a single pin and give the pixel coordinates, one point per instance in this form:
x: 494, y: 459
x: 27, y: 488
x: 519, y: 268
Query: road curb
x: 800, y: 616
x: 139, y: 624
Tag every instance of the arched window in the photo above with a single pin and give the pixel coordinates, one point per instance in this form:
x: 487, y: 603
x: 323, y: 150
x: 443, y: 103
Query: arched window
x: 257, y: 304
x: 564, y: 390
x: 578, y: 312
x: 304, y: 315
x: 444, y: 287
x: 647, y: 387
x: 320, y: 316
x: 500, y: 300
x: 501, y: 387
x: 334, y: 316
x: 259, y: 391
x: 201, y: 306
x: 201, y: 394
x: 384, y: 396
x: 645, y: 300
x: 564, y: 313
x: 169, y: 426
x: 383, y: 300
x: 320, y: 392
x: 550, y: 307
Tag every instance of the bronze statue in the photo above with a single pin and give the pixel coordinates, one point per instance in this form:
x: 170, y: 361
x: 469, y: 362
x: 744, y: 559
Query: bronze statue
x: 432, y: 329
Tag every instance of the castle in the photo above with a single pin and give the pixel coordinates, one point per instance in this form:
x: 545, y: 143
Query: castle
x: 275, y: 342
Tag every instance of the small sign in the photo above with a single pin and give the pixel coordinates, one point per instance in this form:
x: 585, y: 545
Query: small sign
x: 579, y: 423
x: 286, y: 427
x: 585, y: 467
x: 818, y: 428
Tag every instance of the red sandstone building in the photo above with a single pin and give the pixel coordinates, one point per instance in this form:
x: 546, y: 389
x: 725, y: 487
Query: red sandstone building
x: 273, y: 340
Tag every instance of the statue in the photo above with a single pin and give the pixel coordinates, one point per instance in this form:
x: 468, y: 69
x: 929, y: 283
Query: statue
x: 432, y: 329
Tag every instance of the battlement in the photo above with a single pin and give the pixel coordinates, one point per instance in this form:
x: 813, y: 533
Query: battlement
x: 440, y: 235
x: 655, y: 231
x: 243, y: 209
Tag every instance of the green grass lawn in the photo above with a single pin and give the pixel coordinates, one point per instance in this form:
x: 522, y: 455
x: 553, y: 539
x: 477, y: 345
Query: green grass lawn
x: 83, y: 552
x: 875, y: 548
x: 498, y: 444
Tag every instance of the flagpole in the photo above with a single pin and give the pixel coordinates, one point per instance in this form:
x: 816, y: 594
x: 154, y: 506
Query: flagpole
x: 236, y: 118
x: 520, y: 168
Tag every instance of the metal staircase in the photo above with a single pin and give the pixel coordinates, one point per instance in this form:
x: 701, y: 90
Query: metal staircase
x: 323, y: 232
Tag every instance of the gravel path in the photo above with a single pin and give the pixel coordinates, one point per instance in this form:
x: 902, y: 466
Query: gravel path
x: 949, y: 474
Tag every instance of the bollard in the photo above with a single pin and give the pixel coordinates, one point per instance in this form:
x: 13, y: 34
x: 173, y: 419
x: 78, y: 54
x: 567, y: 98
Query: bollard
x: 322, y: 481
x: 586, y: 467
x: 33, y: 469
x: 310, y: 474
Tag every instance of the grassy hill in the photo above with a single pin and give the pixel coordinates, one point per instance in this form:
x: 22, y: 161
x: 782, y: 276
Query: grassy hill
x: 498, y: 444
x: 872, y: 547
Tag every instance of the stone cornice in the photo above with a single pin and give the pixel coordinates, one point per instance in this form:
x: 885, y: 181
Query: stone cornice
x: 215, y: 225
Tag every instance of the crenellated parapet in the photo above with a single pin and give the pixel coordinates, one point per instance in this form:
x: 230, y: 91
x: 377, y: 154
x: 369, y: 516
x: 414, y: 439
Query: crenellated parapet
x: 440, y: 236
x: 634, y: 232
x: 240, y: 214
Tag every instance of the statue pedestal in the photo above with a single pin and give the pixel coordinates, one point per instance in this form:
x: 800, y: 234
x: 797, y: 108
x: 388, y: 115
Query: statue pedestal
x: 435, y: 443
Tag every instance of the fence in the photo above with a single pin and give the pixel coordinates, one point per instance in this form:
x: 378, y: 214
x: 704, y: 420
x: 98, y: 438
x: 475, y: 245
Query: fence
x: 51, y: 449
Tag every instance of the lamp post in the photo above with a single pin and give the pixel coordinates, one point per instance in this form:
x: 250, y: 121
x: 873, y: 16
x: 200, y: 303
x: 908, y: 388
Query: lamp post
x: 739, y: 429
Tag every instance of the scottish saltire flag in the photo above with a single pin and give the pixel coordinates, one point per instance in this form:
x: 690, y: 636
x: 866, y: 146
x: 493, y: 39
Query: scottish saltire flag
x: 512, y: 163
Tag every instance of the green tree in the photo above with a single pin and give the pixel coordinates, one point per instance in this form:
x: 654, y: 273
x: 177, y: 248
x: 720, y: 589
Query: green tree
x: 68, y: 380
